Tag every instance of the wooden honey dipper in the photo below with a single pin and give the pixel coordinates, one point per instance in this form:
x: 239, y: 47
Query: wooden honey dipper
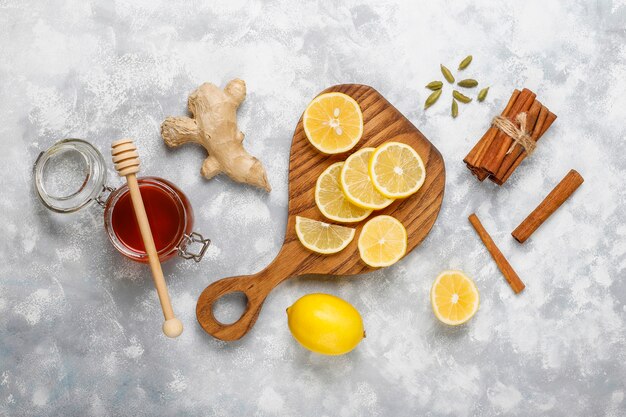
x: 126, y: 160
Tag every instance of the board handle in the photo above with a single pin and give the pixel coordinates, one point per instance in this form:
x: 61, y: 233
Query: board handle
x: 254, y: 301
x: 255, y: 287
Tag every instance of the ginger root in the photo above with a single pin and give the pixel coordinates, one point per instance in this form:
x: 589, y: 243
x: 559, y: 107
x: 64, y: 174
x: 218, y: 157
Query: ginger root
x: 214, y: 125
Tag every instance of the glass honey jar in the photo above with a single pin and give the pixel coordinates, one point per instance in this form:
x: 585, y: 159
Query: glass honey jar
x: 71, y: 175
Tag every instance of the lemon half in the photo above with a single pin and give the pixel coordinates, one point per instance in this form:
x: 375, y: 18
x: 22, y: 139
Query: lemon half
x: 333, y: 123
x: 383, y: 241
x: 454, y: 297
x: 396, y: 169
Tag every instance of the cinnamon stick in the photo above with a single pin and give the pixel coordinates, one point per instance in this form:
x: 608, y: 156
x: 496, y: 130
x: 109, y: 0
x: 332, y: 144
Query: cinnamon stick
x: 511, y: 158
x: 502, y: 142
x: 547, y: 122
x: 475, y: 155
x: 532, y: 119
x: 472, y: 159
x: 496, y: 155
x: 492, y: 132
x: 511, y: 276
x: 553, y: 201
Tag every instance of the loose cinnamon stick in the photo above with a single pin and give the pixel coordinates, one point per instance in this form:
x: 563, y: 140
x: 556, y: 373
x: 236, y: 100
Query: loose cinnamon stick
x: 511, y: 276
x: 502, y: 142
x: 553, y: 201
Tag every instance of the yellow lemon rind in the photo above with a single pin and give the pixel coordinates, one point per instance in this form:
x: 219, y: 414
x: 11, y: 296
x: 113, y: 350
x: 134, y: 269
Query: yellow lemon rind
x: 311, y: 329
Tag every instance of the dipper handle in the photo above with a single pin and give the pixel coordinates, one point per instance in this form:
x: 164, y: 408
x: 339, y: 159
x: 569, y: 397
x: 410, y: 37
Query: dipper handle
x: 126, y: 160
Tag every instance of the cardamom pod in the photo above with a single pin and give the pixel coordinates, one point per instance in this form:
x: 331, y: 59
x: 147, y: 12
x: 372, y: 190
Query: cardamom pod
x: 461, y: 97
x: 483, y: 94
x: 432, y: 98
x: 447, y: 74
x: 468, y: 83
x: 455, y: 108
x: 465, y: 63
x: 434, y: 85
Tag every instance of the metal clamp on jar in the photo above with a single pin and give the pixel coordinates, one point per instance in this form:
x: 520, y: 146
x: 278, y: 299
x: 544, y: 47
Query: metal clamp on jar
x: 72, y: 174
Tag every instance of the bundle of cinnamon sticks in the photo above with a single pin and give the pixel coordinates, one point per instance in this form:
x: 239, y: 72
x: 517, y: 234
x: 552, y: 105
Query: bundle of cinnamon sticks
x: 497, y: 154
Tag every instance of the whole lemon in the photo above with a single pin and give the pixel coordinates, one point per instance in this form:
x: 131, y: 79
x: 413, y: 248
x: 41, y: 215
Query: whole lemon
x: 325, y: 324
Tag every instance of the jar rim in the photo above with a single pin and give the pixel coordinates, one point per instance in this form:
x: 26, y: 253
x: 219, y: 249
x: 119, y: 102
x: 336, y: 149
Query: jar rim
x: 92, y: 184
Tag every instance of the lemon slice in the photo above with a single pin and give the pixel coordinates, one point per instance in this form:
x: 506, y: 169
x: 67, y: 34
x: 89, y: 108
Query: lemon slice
x: 331, y: 200
x: 322, y: 237
x: 454, y: 297
x: 397, y: 170
x: 333, y: 123
x: 357, y: 184
x: 382, y: 241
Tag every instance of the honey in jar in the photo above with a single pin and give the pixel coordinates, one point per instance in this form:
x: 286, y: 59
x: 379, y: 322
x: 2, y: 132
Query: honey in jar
x: 169, y: 212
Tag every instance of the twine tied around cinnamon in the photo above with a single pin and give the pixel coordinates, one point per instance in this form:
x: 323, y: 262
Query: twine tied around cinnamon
x: 519, y: 134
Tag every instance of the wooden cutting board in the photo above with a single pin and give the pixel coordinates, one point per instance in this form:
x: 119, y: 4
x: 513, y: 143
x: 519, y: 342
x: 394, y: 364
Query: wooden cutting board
x: 382, y: 123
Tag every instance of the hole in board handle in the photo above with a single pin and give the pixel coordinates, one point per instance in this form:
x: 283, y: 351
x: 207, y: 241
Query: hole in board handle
x: 230, y: 307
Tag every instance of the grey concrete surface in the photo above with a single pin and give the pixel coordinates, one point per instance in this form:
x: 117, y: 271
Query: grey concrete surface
x: 80, y: 325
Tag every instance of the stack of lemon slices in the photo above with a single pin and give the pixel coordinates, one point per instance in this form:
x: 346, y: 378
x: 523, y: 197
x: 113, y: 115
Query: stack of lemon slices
x: 348, y: 192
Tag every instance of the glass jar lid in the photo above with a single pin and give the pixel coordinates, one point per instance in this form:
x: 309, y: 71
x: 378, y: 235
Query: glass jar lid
x: 69, y: 175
